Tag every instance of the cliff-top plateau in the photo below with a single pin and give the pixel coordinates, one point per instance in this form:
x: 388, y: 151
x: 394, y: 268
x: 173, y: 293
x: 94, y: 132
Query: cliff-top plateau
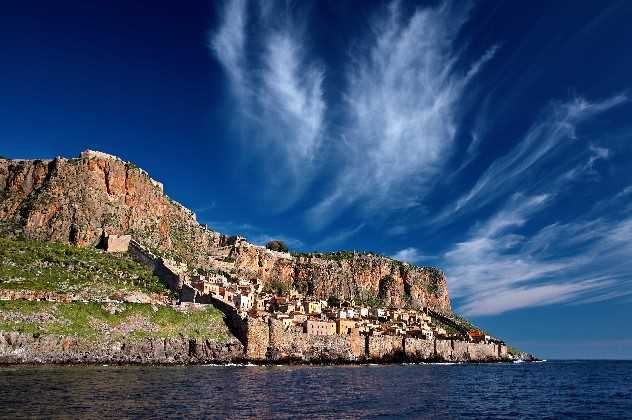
x: 90, y: 201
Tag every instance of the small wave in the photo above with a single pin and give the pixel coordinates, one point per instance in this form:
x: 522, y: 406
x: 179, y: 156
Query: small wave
x: 229, y: 364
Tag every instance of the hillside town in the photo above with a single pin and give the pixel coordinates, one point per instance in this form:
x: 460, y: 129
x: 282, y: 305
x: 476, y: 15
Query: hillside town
x: 313, y: 316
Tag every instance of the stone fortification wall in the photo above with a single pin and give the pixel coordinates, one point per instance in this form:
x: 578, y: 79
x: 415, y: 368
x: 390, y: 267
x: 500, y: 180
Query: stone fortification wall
x: 156, y: 264
x: 269, y: 341
x: 117, y: 243
x: 294, y: 345
x: 386, y: 348
x: 257, y: 339
x: 419, y: 349
x: 84, y: 296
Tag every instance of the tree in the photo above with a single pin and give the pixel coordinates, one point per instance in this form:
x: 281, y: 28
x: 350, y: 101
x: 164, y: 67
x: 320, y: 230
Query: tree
x: 279, y: 287
x: 277, y: 245
x: 333, y: 302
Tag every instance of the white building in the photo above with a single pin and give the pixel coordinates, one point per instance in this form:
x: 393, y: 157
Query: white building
x: 244, y: 302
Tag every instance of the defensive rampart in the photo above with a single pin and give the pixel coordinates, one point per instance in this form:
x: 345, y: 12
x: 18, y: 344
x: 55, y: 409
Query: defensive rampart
x: 269, y: 341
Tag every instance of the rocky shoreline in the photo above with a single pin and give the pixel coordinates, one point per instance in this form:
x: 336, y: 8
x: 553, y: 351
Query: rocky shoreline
x: 34, y: 349
x: 26, y: 348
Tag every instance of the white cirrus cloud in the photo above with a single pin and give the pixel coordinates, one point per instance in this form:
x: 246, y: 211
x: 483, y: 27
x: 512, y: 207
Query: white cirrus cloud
x: 229, y: 45
x: 405, y: 92
x: 499, y: 268
x: 412, y: 255
x: 546, y: 140
x: 278, y: 92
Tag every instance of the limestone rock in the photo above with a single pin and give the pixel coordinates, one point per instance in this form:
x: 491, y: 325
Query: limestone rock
x: 86, y: 200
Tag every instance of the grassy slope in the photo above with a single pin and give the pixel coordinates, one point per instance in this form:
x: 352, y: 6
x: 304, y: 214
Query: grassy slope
x: 49, y: 266
x: 94, y: 321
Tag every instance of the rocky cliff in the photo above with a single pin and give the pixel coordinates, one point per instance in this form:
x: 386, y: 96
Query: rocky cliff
x: 348, y: 275
x: 77, y: 200
x: 80, y: 200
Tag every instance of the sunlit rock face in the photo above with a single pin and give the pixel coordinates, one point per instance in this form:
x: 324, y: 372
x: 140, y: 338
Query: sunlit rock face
x: 81, y: 200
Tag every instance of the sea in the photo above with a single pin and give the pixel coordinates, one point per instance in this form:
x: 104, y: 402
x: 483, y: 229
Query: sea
x: 551, y: 389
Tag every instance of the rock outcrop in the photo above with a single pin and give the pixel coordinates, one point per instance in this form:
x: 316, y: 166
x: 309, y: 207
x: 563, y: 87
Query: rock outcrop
x: 79, y: 200
x: 35, y: 349
x: 347, y: 275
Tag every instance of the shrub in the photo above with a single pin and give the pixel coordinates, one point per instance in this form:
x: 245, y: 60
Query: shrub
x: 333, y: 302
x: 277, y: 245
x: 279, y: 287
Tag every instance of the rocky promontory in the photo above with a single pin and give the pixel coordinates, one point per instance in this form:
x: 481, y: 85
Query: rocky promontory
x: 80, y: 200
x: 173, y: 291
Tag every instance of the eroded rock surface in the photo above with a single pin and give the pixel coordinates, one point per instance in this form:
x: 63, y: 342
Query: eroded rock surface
x: 79, y: 200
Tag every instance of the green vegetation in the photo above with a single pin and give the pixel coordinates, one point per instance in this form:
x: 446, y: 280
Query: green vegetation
x: 465, y: 323
x: 277, y: 246
x: 513, y: 351
x: 335, y: 256
x: 279, y: 287
x: 92, y: 321
x: 432, y: 288
x: 364, y: 297
x: 370, y: 302
x: 9, y: 229
x: 447, y: 327
x: 130, y: 165
x: 435, y: 274
x: 333, y: 301
x: 56, y: 267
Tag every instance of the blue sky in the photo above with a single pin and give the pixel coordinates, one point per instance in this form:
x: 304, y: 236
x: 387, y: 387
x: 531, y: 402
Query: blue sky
x: 491, y: 139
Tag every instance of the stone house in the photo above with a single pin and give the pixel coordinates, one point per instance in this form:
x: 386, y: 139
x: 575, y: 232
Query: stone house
x: 379, y: 313
x: 313, y: 307
x: 260, y: 304
x: 319, y: 327
x: 476, y: 336
x: 345, y: 326
x: 347, y: 313
x: 244, y: 301
x: 117, y: 243
x: 204, y: 285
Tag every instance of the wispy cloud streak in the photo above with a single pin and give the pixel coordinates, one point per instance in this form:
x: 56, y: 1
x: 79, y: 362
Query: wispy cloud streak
x: 278, y: 90
x: 499, y: 269
x: 229, y: 45
x: 402, y: 106
x: 543, y: 141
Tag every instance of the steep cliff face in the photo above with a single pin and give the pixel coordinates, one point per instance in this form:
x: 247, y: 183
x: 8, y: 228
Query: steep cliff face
x: 78, y: 200
x: 348, y: 276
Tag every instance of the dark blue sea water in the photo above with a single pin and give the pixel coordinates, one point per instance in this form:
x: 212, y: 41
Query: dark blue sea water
x: 561, y: 389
